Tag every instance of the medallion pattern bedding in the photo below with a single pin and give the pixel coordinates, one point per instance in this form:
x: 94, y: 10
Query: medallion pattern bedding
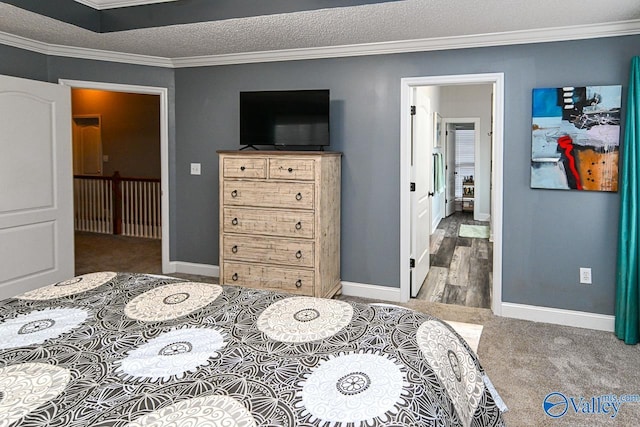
x: 107, y: 349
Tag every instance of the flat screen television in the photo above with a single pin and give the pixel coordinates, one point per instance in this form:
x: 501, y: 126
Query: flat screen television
x: 290, y: 118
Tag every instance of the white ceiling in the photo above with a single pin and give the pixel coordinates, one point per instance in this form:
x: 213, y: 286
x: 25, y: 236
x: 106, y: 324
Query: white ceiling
x: 424, y: 21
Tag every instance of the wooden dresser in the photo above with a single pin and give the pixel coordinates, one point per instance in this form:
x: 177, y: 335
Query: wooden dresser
x: 280, y: 221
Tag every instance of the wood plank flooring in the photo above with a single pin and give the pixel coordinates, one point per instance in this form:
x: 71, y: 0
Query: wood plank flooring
x: 461, y: 267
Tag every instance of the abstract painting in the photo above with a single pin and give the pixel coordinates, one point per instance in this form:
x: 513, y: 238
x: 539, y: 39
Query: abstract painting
x: 576, y: 138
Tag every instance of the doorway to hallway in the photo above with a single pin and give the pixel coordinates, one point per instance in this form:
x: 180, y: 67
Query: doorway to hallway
x: 492, y: 206
x: 143, y: 189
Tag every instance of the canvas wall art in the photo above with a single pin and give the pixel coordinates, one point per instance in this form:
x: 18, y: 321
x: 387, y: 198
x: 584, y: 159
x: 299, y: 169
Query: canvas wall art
x: 576, y: 138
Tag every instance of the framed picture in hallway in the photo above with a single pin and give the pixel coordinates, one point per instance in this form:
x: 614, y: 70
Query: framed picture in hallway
x: 576, y: 138
x: 437, y: 130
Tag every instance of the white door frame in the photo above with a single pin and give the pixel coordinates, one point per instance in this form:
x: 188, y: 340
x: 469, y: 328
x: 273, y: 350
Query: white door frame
x: 497, y: 80
x: 164, y: 146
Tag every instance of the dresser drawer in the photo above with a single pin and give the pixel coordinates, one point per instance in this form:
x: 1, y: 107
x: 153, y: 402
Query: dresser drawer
x: 295, y: 169
x: 268, y: 222
x: 269, y: 277
x: 268, y: 250
x: 294, y: 195
x: 244, y: 167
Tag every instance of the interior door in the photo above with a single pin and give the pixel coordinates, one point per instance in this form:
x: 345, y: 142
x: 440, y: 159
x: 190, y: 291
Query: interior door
x: 450, y: 173
x: 87, y: 138
x: 421, y: 173
x: 36, y: 203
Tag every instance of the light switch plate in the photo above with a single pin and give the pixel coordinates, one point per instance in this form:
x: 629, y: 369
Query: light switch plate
x: 195, y: 168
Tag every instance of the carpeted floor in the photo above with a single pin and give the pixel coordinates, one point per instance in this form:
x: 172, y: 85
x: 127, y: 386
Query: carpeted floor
x: 116, y: 253
x: 525, y: 360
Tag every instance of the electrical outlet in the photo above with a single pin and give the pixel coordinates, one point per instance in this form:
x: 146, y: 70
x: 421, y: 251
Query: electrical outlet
x: 195, y: 168
x: 585, y: 275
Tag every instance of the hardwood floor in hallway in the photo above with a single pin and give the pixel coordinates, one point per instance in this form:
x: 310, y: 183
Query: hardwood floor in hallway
x: 461, y: 267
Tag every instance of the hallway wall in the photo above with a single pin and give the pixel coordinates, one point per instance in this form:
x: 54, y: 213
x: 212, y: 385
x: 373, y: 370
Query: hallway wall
x: 472, y: 101
x: 130, y: 129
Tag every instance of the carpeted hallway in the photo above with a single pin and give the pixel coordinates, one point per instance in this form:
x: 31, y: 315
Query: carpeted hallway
x: 525, y: 361
x: 116, y: 253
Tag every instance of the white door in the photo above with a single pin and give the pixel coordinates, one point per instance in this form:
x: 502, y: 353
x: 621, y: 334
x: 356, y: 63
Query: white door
x: 87, y: 146
x: 36, y: 204
x: 450, y: 178
x: 421, y: 173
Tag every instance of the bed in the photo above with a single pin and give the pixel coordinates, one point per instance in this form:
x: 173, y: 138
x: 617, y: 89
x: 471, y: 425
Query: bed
x: 120, y: 349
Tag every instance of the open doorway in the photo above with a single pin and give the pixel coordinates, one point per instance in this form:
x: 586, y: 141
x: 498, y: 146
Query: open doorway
x: 129, y: 192
x: 482, y: 198
x: 460, y: 248
x: 117, y: 209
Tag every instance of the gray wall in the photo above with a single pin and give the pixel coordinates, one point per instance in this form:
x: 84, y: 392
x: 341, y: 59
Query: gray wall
x: 22, y: 63
x: 548, y: 234
x: 130, y: 130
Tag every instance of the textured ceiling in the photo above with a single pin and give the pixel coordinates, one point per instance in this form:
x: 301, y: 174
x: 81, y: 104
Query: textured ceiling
x: 382, y: 22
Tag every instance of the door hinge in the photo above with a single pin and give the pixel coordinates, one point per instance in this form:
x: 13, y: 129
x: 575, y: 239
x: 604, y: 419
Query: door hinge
x: 412, y: 187
x: 413, y: 110
x: 412, y: 263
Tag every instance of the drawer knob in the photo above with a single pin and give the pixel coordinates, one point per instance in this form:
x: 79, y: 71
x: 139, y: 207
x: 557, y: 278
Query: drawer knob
x: 242, y: 168
x: 234, y: 221
x: 298, y: 225
x: 299, y: 196
x: 234, y: 193
x: 234, y: 277
x: 299, y: 254
x: 290, y: 170
x: 234, y: 249
x: 298, y: 283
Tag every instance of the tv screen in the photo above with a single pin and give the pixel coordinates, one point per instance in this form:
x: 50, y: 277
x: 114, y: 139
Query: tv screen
x: 284, y: 118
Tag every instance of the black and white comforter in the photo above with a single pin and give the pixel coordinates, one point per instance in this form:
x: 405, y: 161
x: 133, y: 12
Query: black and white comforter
x: 108, y: 349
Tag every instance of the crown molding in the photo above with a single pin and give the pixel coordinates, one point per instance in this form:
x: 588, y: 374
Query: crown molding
x: 113, y: 4
x: 546, y: 35
x: 82, y: 52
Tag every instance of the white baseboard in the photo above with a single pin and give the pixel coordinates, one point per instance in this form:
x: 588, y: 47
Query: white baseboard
x: 435, y: 223
x: 193, y: 268
x: 557, y: 316
x: 483, y: 217
x: 365, y: 290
